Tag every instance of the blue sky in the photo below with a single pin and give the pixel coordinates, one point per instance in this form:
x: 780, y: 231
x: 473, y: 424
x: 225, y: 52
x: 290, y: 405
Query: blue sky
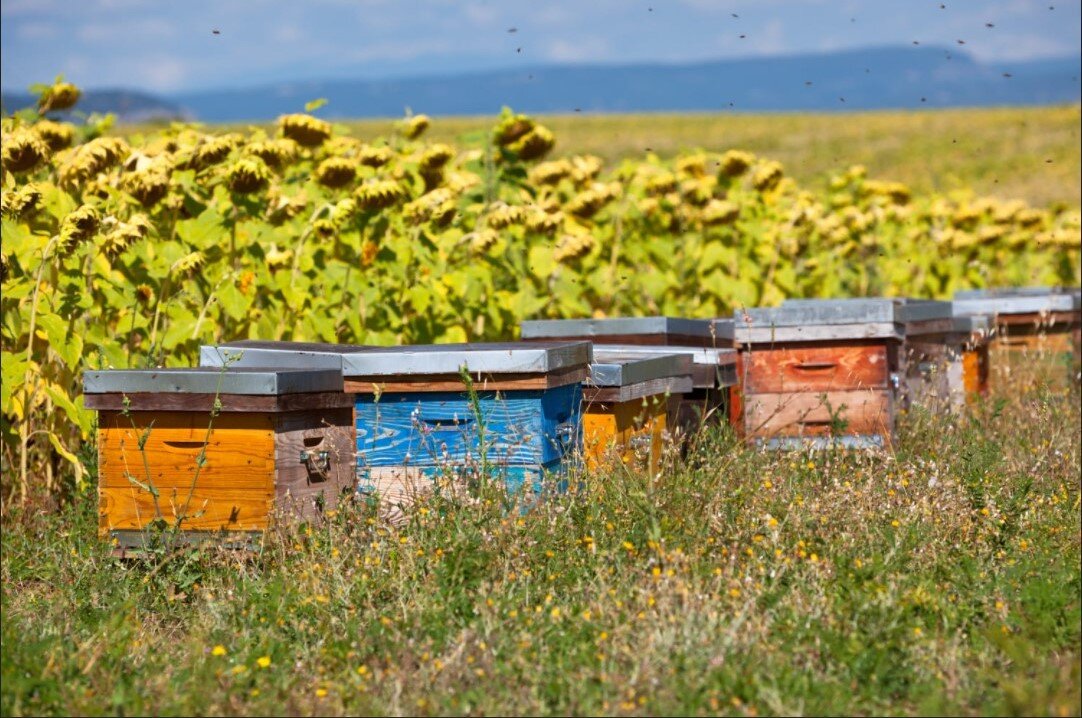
x: 171, y: 46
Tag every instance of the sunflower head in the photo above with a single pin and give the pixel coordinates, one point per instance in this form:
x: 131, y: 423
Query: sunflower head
x: 59, y: 96
x: 23, y: 150
x: 305, y: 130
x: 78, y: 226
x: 378, y: 194
x: 415, y: 126
x: 148, y: 186
x: 58, y: 135
x: 336, y: 172
x: 533, y: 145
x: 21, y: 202
x: 248, y: 175
x: 735, y: 162
x: 370, y: 156
x: 767, y: 175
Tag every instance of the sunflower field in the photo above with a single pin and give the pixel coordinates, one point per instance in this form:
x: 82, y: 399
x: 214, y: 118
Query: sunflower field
x: 131, y: 252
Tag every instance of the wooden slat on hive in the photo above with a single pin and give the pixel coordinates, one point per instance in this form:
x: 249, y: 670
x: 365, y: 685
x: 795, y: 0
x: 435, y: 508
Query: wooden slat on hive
x: 240, y: 450
x: 816, y: 368
x: 453, y: 382
x: 640, y: 390
x: 211, y: 508
x: 868, y: 411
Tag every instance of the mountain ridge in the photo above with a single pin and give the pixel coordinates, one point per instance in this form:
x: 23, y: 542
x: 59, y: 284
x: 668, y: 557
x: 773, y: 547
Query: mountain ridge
x: 862, y: 79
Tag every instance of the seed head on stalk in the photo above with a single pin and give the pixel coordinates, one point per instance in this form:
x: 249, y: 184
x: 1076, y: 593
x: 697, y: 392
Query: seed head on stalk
x: 535, y: 144
x: 767, y: 175
x: 335, y: 172
x: 122, y: 235
x: 86, y: 161
x: 378, y: 194
x: 23, y: 150
x: 551, y: 172
x: 78, y: 226
x: 59, y: 96
x: 370, y: 156
x: 21, y: 202
x: 573, y: 246
x: 276, y: 153
x: 719, y: 211
x: 248, y: 175
x: 735, y: 162
x: 305, y: 130
x: 147, y: 186
x: 58, y: 135
x: 413, y: 127
x: 501, y: 215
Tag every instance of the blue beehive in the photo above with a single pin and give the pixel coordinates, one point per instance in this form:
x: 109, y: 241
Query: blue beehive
x: 417, y: 424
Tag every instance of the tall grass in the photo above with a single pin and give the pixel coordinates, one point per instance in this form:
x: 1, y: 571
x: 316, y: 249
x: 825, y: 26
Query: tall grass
x: 942, y: 578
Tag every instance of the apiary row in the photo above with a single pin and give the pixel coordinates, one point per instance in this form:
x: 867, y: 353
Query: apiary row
x: 265, y: 430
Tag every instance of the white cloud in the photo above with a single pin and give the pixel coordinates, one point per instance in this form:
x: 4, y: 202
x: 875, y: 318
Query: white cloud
x: 163, y: 74
x: 583, y: 49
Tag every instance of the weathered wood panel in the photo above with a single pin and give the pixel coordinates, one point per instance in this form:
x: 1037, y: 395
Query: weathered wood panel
x: 440, y: 428
x: 861, y: 412
x: 239, y: 453
x: 306, y: 490
x: 816, y: 368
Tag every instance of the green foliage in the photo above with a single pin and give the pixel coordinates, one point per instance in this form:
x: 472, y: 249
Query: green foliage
x: 737, y: 582
x: 130, y: 253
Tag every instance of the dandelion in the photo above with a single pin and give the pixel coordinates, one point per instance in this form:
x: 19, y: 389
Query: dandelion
x: 263, y: 661
x: 305, y: 130
x: 218, y: 650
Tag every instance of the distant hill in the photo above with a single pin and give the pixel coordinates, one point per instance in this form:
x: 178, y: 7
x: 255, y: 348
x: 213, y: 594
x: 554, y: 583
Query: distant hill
x: 128, y: 105
x: 877, y: 78
x: 864, y: 79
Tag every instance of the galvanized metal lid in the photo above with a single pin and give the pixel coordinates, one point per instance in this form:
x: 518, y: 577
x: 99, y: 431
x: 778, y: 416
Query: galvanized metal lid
x: 801, y: 312
x: 276, y: 355
x: 923, y: 310
x: 1017, y: 300
x: 557, y: 328
x: 212, y: 380
x: 615, y: 368
x: 709, y: 356
x: 494, y: 358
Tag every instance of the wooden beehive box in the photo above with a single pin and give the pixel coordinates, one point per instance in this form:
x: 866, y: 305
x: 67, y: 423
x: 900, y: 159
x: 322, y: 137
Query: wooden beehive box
x: 714, y: 360
x: 817, y: 372
x: 626, y: 405
x: 417, y: 425
x: 213, y: 451
x: 944, y: 362
x: 1032, y: 328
